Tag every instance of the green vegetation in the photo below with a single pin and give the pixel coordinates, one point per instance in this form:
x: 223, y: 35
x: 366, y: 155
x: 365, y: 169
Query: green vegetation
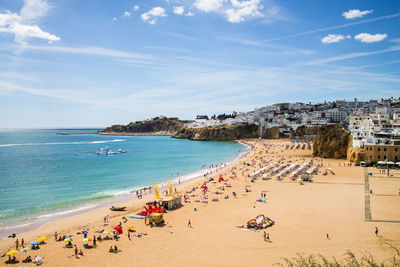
x: 156, y: 124
x: 350, y: 260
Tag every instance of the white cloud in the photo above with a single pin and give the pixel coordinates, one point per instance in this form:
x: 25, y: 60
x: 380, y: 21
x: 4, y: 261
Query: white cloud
x: 23, y: 25
x: 370, y: 38
x: 334, y: 38
x: 208, y: 5
x: 243, y: 10
x: 114, y: 18
x: 151, y: 16
x: 127, y: 14
x: 136, y: 7
x: 189, y: 14
x: 179, y: 10
x: 355, y: 13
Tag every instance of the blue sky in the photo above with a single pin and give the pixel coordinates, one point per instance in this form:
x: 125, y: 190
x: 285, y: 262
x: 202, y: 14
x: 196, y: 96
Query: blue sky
x: 95, y: 63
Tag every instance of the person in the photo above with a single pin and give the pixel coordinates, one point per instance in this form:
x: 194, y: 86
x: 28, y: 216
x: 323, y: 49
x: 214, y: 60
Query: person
x: 22, y: 243
x: 94, y: 240
x: 76, y: 251
x: 376, y: 231
x: 129, y: 235
x: 267, y: 237
x: 189, y: 224
x: 115, y: 249
x: 55, y: 236
x: 27, y: 259
x: 80, y: 253
x: 327, y: 236
x: 111, y: 249
x: 16, y: 244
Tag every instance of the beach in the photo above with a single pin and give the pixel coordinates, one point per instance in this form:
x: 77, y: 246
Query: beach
x: 326, y: 216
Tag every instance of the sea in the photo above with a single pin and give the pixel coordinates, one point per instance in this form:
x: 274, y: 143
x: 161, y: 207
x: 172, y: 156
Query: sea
x: 44, y: 175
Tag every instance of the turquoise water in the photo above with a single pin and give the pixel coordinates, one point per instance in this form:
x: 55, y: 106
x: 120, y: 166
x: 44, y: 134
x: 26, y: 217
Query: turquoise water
x: 41, y: 172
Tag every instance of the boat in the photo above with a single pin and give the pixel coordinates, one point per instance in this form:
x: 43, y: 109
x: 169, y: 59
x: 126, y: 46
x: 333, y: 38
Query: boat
x: 117, y: 208
x: 107, y: 151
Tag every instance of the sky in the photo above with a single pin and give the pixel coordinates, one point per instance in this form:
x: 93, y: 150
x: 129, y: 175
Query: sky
x: 95, y: 63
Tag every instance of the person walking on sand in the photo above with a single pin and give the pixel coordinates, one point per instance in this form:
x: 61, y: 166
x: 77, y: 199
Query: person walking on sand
x: 129, y: 235
x: 327, y: 236
x: 16, y: 244
x: 189, y: 224
x: 376, y: 231
x: 76, y: 251
x: 22, y: 243
x: 55, y: 236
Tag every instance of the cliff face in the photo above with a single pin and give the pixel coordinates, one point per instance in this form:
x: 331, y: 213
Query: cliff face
x: 272, y: 133
x: 221, y: 133
x: 332, y: 142
x: 355, y: 154
x: 153, y: 125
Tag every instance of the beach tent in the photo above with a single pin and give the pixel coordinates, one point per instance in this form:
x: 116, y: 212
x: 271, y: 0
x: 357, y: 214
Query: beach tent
x: 381, y: 162
x: 118, y: 229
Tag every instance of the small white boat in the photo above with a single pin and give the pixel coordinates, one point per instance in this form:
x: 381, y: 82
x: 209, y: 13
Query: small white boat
x: 107, y: 151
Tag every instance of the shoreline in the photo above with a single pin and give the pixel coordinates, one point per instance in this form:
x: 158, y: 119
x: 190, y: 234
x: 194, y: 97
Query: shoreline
x: 32, y: 223
x: 118, y: 134
x: 304, y: 213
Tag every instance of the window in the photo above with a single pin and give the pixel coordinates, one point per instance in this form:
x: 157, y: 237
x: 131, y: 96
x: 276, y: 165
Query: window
x: 379, y: 157
x: 384, y: 149
x: 379, y: 149
x: 384, y: 157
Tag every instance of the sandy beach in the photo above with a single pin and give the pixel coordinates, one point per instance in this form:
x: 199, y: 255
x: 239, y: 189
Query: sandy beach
x: 333, y: 204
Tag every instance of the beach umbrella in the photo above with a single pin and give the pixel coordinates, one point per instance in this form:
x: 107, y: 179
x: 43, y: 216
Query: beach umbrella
x: 381, y: 162
x: 118, y: 229
x: 390, y: 163
x: 42, y: 239
x: 131, y: 228
x: 68, y: 239
x: 12, y: 252
x: 34, y: 243
x: 107, y: 232
x: 85, y: 240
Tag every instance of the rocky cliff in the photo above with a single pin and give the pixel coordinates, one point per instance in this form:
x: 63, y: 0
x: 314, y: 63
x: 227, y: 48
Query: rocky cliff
x: 158, y: 124
x: 355, y: 154
x: 332, y: 141
x: 220, y: 133
x: 272, y: 133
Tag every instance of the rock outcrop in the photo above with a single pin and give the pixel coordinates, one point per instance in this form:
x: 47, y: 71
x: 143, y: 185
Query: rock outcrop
x: 332, y: 141
x: 158, y: 124
x: 220, y: 133
x: 355, y: 154
x: 271, y: 133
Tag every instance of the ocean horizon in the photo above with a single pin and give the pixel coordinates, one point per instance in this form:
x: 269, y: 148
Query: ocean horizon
x: 44, y: 174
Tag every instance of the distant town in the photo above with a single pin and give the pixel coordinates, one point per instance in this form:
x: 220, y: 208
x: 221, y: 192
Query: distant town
x: 374, y: 124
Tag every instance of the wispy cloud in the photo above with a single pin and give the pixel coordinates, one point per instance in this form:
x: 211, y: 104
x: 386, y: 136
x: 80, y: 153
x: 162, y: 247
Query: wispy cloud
x: 347, y: 56
x: 89, y: 50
